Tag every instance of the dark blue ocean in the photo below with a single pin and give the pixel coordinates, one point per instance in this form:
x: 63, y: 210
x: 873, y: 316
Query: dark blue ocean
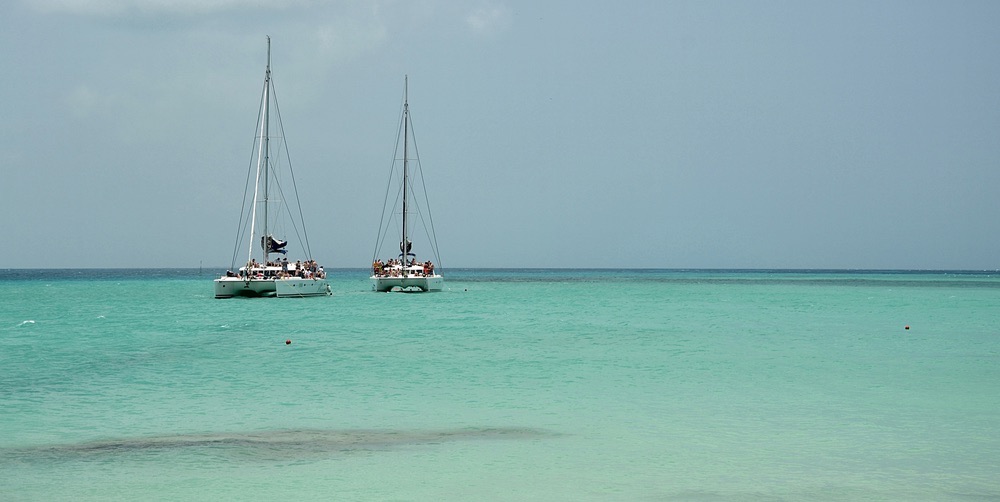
x: 518, y: 385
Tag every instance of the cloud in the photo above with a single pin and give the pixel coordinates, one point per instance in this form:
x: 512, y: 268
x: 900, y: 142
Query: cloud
x: 488, y: 20
x: 108, y: 8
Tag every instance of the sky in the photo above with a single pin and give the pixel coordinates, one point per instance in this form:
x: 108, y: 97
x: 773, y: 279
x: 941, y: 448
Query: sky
x: 646, y: 134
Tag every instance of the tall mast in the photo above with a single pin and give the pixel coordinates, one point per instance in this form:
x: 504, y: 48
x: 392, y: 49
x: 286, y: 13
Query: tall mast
x: 261, y: 161
x: 265, y: 146
x: 404, y: 246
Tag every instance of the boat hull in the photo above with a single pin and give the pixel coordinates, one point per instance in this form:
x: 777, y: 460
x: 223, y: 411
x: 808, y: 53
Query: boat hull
x: 296, y: 287
x: 410, y: 283
x: 229, y: 287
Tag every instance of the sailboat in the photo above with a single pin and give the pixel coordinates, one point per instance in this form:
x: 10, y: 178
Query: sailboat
x: 403, y: 272
x: 267, y: 215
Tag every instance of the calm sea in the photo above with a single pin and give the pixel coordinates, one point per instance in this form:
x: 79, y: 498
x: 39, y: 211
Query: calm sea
x: 545, y: 385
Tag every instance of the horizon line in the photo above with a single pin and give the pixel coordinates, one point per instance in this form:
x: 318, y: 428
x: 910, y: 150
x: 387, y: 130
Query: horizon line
x: 661, y: 269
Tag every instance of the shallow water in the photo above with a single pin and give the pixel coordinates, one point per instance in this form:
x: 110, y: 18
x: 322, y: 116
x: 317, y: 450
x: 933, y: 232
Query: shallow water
x: 509, y: 385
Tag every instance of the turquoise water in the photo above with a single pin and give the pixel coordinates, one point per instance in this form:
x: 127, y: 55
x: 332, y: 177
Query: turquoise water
x: 509, y: 385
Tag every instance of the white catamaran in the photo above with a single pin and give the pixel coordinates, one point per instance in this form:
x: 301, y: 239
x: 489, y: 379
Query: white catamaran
x: 404, y: 272
x: 266, y: 214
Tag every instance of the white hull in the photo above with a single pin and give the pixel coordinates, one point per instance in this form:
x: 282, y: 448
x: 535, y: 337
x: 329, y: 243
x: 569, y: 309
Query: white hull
x: 293, y: 287
x: 296, y: 287
x: 422, y: 283
x: 279, y: 278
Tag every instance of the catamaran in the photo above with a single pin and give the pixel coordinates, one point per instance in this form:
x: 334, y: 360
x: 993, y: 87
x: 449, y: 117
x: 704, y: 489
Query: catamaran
x: 266, y: 215
x: 404, y: 272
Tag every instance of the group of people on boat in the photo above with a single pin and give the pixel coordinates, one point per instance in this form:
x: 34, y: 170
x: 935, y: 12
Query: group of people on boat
x: 308, y: 269
x: 395, y: 268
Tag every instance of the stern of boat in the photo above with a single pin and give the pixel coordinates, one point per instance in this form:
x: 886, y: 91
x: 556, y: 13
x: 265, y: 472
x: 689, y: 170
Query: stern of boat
x: 423, y: 283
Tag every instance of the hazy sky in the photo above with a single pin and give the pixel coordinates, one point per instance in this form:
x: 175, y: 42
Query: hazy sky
x: 693, y: 134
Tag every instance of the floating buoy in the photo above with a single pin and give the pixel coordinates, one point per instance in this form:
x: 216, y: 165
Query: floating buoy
x: 289, y: 342
x: 906, y: 327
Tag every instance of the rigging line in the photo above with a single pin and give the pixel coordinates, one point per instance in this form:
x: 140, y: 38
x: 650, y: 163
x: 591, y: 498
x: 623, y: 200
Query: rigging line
x: 428, y: 230
x: 283, y: 209
x: 385, y: 233
x: 416, y: 201
x: 281, y: 212
x: 380, y: 239
x: 387, y: 219
x: 284, y: 143
x: 427, y: 201
x: 245, y: 210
